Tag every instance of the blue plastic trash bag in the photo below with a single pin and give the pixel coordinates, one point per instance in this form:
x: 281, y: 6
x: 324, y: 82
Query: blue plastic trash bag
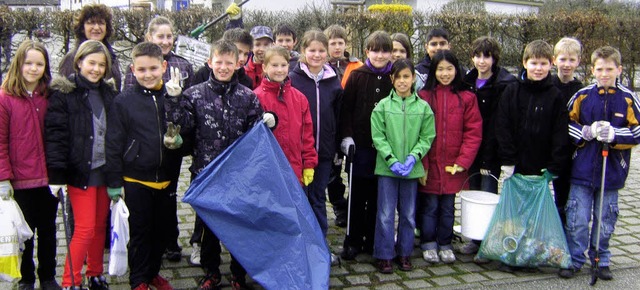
x: 251, y: 199
x: 525, y: 229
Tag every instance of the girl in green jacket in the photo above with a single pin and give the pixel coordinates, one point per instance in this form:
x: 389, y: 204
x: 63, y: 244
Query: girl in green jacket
x: 402, y: 129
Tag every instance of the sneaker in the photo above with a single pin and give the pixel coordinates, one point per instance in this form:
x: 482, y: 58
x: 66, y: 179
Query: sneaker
x: 385, y: 267
x: 160, y: 283
x: 349, y: 253
x: 604, y: 273
x: 98, y: 283
x: 142, y: 286
x: 239, y: 283
x: 447, y: 256
x: 404, y: 263
x: 567, y: 273
x: 25, y: 286
x: 480, y: 261
x: 210, y: 282
x: 194, y: 259
x: 341, y: 219
x: 173, y: 255
x: 50, y: 285
x: 335, y: 260
x: 431, y: 256
x: 469, y: 248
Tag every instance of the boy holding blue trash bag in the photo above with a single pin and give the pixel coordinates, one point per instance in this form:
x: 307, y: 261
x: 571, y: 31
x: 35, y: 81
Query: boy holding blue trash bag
x: 218, y: 112
x: 604, y: 113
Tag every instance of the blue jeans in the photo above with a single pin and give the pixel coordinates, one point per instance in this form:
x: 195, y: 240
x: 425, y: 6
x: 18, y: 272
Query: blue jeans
x: 437, y: 221
x: 395, y: 193
x: 582, y: 199
x: 316, y: 193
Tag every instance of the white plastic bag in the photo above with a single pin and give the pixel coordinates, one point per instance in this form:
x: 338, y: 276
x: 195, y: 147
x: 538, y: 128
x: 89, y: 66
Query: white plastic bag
x: 14, y: 231
x: 118, y: 261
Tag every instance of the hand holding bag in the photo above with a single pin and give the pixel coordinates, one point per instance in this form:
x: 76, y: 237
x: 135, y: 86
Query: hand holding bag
x: 14, y: 231
x: 118, y: 261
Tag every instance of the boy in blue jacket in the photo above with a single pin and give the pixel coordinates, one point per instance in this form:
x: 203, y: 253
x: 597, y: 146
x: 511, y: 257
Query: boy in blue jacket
x: 602, y: 113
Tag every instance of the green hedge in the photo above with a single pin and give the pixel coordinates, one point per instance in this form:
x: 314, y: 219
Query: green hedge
x: 593, y: 24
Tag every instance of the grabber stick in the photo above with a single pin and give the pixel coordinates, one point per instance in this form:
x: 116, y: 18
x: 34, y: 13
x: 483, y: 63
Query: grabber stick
x: 67, y: 232
x: 596, y: 267
x: 350, y: 154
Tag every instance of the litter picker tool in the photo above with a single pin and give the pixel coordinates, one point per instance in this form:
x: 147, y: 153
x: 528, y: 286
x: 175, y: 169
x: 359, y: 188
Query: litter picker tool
x: 350, y: 153
x: 200, y: 29
x: 596, y: 267
x: 67, y: 230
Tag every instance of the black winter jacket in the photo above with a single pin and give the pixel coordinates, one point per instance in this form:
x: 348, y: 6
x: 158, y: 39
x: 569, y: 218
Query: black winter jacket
x: 488, y: 96
x: 325, y: 100
x: 568, y: 89
x: 204, y: 73
x: 135, y: 133
x: 214, y: 114
x: 69, y: 130
x: 532, y: 127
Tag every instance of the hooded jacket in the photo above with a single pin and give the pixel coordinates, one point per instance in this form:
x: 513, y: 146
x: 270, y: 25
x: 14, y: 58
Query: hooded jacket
x: 401, y: 127
x: 22, y: 158
x: 619, y: 106
x: 458, y: 137
x: 214, y: 114
x: 325, y: 98
x: 294, y: 130
x: 532, y: 127
x: 488, y: 96
x: 69, y: 130
x: 135, y: 134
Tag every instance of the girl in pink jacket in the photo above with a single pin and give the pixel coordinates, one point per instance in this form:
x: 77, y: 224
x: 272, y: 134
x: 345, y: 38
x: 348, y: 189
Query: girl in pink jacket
x: 23, y: 170
x: 458, y: 137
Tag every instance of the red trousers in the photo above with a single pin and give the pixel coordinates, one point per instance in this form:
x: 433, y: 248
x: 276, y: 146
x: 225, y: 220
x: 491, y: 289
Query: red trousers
x: 90, y: 209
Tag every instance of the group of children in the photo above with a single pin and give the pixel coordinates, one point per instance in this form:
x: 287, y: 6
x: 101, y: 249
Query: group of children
x: 414, y: 135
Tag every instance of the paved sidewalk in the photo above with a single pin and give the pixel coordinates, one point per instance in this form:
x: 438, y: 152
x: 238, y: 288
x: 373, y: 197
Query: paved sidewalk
x: 463, y: 274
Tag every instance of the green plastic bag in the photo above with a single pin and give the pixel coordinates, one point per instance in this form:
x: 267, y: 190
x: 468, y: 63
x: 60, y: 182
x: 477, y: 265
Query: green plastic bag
x: 525, y: 229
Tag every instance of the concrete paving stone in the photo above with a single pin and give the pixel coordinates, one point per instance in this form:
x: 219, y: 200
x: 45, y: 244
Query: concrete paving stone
x: 632, y: 228
x: 362, y: 268
x: 184, y: 283
x: 634, y: 249
x: 496, y: 275
x: 445, y: 281
x: 469, y: 268
x: 631, y: 220
x: 626, y: 239
x: 339, y: 271
x: 192, y: 272
x: 417, y: 273
x: 417, y: 284
x: 358, y: 279
x: 387, y: 277
x: 389, y: 286
x: 623, y: 230
x: 473, y: 277
x: 335, y: 282
x: 623, y: 260
x: 441, y: 270
x: 357, y: 288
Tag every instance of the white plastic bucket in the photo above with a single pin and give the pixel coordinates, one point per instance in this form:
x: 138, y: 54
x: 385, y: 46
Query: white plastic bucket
x: 477, y: 210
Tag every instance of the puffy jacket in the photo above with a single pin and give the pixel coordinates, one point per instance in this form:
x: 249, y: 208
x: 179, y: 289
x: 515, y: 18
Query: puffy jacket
x: 204, y: 73
x: 215, y: 114
x: 531, y: 127
x: 22, y: 158
x: 66, y: 65
x: 458, y: 138
x: 294, y: 131
x: 488, y: 96
x: 135, y: 133
x: 617, y: 105
x: 362, y: 93
x: 173, y: 60
x: 401, y: 127
x: 69, y: 130
x: 325, y: 98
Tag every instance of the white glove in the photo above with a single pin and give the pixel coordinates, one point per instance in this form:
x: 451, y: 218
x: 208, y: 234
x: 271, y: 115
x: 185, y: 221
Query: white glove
x: 337, y: 161
x: 269, y: 119
x: 606, y: 134
x: 173, y: 85
x: 57, y: 187
x: 6, y: 190
x: 589, y: 132
x: 485, y: 172
x: 507, y: 170
x: 345, y: 144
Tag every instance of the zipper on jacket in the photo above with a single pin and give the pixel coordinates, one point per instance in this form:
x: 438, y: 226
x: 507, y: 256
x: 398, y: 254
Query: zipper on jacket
x: 318, y: 117
x: 444, y: 140
x: 404, y: 131
x: 159, y: 133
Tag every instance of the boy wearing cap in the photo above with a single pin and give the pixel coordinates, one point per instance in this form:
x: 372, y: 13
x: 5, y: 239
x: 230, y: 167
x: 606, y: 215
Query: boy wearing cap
x: 262, y: 40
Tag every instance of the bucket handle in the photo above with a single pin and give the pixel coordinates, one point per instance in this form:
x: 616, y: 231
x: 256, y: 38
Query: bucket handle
x: 474, y: 174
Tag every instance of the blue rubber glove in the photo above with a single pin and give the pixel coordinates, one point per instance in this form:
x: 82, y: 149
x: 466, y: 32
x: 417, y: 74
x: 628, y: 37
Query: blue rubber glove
x: 408, y: 165
x: 397, y: 168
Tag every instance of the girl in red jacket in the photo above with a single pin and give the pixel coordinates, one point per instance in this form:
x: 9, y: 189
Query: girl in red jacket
x: 293, y: 129
x: 458, y: 137
x: 23, y: 170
